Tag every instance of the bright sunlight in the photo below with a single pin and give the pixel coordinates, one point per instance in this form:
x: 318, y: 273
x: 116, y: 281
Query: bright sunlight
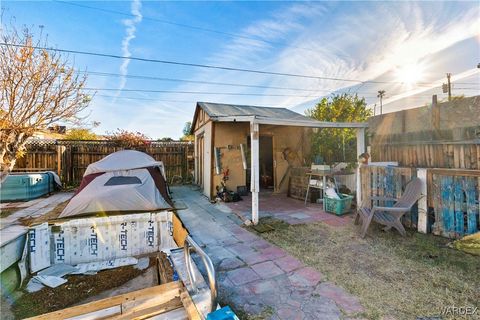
x: 410, y: 74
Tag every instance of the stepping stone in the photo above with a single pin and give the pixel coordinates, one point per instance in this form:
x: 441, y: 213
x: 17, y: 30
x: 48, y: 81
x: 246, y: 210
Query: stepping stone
x: 242, y: 276
x: 344, y: 300
x: 267, y: 269
x: 288, y: 263
x: 230, y: 263
x: 305, y: 277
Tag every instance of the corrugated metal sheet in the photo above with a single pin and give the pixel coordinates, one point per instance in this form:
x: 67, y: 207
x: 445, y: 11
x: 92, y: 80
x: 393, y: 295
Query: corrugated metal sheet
x: 227, y: 110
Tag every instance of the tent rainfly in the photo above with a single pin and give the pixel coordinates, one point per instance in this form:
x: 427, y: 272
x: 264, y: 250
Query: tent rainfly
x: 123, y: 181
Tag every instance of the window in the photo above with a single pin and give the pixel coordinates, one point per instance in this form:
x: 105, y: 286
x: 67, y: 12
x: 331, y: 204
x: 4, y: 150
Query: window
x: 122, y: 180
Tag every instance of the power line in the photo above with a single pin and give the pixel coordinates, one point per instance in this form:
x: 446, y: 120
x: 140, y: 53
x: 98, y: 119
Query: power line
x: 146, y: 99
x: 188, y: 64
x: 199, y: 92
x: 107, y: 74
x: 182, y: 25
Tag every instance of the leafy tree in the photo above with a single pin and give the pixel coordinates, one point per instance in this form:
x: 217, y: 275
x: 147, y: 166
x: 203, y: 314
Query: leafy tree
x: 37, y: 89
x: 80, y: 134
x: 186, y: 132
x: 128, y: 139
x: 335, y: 145
x: 165, y: 139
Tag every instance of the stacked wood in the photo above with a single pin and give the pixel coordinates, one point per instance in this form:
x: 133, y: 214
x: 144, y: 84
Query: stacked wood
x: 298, y: 182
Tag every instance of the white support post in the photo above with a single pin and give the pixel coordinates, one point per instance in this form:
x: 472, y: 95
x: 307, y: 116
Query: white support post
x: 422, y: 224
x: 255, y: 174
x: 360, y: 150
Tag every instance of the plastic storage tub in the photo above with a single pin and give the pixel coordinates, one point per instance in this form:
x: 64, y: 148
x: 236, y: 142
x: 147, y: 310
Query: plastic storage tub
x: 339, y: 206
x: 26, y: 186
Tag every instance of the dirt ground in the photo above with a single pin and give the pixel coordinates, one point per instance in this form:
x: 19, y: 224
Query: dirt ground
x: 394, y: 277
x: 52, y: 215
x: 79, y: 288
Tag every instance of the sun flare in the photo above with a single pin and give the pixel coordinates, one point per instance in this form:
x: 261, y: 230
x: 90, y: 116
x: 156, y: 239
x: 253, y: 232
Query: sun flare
x: 410, y: 74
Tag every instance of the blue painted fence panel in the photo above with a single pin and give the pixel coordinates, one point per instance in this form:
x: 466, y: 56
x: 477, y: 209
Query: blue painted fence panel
x: 456, y: 203
x: 472, y: 205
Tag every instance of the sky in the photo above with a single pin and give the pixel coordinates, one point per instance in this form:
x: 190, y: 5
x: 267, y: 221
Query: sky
x: 404, y: 48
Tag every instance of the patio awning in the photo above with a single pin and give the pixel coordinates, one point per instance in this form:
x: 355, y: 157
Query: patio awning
x: 255, y: 122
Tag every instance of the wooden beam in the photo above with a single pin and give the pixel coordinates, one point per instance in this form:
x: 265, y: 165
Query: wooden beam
x: 455, y: 172
x: 189, y: 306
x: 255, y: 168
x: 360, y: 150
x: 167, y: 291
x: 422, y: 224
x: 291, y: 122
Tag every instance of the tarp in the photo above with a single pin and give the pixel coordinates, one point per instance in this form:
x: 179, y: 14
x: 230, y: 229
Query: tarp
x: 131, y: 181
x: 123, y: 160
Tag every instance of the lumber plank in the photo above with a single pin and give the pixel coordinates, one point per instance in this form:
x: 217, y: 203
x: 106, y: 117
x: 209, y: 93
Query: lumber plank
x: 169, y: 289
x: 189, y: 306
x: 149, y: 308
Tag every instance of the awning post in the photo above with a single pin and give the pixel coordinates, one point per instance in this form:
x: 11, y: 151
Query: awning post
x: 254, y: 174
x: 360, y: 150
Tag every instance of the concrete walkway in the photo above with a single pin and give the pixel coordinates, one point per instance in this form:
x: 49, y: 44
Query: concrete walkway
x: 255, y: 276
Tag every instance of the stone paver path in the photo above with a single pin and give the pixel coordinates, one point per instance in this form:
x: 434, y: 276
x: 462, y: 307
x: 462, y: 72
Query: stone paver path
x: 254, y: 275
x: 283, y: 208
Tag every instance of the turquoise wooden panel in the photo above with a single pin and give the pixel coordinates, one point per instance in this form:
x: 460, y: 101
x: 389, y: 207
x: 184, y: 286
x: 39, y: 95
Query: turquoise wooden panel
x: 472, y: 207
x: 458, y: 203
x: 447, y: 203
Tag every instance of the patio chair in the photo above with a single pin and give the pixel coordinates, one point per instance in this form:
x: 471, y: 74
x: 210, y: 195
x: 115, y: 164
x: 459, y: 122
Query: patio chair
x: 391, y: 216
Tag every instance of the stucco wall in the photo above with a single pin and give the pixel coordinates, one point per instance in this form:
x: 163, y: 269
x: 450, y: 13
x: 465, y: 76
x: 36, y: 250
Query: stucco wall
x: 229, y: 136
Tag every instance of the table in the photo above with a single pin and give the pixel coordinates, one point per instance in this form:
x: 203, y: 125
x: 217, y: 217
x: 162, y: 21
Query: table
x: 317, y: 173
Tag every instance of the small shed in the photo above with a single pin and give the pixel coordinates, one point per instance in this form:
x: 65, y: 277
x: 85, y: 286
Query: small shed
x: 253, y: 146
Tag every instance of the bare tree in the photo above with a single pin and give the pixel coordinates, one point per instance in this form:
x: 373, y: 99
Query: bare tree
x: 38, y: 87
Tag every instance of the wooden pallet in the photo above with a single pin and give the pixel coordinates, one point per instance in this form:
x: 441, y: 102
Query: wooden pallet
x: 166, y: 301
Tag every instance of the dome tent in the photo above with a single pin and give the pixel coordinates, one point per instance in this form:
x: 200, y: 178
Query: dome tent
x: 124, y: 181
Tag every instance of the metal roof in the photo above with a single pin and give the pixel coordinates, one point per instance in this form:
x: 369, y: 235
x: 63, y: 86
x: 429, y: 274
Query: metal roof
x: 265, y: 115
x: 216, y: 110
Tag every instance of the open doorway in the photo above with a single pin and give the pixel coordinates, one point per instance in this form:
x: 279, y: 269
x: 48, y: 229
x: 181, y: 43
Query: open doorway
x: 265, y: 161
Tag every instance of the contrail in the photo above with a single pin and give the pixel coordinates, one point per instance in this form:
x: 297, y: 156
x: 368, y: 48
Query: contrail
x: 131, y: 25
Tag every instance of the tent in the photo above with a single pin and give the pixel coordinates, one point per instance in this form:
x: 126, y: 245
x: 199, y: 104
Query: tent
x: 123, y: 181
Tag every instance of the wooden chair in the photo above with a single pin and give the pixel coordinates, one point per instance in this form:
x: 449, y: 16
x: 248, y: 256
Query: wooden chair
x: 391, y: 216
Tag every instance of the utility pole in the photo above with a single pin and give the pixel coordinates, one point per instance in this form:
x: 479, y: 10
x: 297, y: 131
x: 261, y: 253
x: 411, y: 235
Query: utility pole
x: 380, y: 95
x: 449, y: 87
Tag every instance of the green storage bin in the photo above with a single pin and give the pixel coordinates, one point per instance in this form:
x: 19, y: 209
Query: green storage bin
x: 339, y: 206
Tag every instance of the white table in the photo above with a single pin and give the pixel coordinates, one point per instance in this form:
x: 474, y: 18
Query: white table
x: 317, y: 173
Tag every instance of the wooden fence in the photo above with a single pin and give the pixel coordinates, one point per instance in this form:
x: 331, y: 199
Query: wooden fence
x: 455, y: 198
x: 387, y: 182
x: 461, y: 155
x: 452, y: 204
x: 70, y: 158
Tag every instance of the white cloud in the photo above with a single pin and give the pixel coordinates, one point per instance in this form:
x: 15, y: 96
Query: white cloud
x: 365, y: 41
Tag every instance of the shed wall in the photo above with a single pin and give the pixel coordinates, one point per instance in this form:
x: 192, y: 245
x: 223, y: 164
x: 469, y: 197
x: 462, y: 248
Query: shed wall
x: 228, y: 136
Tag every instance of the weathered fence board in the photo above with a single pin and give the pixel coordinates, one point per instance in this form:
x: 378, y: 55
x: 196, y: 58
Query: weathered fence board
x: 464, y: 155
x: 455, y: 199
x: 70, y: 158
x: 387, y: 182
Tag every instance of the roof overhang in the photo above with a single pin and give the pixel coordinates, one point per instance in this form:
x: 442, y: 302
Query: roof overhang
x: 291, y: 122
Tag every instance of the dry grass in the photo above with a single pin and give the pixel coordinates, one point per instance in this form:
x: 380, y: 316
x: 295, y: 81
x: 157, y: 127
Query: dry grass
x: 401, y: 278
x: 7, y: 211
x: 51, y: 215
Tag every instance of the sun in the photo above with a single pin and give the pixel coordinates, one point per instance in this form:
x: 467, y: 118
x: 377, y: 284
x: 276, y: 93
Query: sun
x: 410, y: 74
